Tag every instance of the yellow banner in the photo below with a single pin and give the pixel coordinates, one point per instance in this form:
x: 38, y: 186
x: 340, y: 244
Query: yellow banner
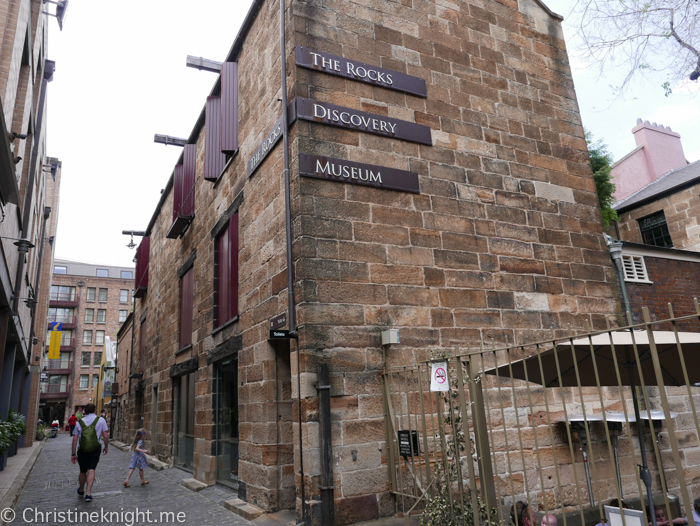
x: 55, y: 345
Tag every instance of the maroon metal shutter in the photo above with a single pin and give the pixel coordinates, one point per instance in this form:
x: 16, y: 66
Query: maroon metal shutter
x: 189, y: 173
x: 214, y: 160
x: 142, y: 254
x: 186, y: 307
x: 229, y: 107
x: 177, y: 191
x: 233, y: 258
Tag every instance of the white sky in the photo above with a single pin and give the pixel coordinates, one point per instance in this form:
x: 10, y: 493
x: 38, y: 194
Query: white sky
x: 121, y: 78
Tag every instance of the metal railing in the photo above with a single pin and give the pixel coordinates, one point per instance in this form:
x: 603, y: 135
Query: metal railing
x: 62, y: 318
x: 555, y: 424
x: 54, y: 388
x: 52, y: 365
x: 64, y: 296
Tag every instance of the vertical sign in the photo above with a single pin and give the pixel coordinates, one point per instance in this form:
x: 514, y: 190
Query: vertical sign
x: 438, y: 377
x: 55, y: 342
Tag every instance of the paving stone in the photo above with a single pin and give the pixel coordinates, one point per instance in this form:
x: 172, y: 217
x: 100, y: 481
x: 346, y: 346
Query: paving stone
x: 52, y: 487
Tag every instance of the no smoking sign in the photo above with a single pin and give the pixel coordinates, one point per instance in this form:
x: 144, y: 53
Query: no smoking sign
x: 438, y: 377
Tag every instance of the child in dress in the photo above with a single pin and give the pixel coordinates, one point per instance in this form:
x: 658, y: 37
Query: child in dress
x: 138, y: 460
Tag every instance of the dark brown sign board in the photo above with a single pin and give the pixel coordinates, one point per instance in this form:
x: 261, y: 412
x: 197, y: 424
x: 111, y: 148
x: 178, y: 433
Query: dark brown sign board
x: 408, y: 443
x: 278, y: 321
x: 283, y: 334
x: 333, y: 115
x: 358, y: 173
x: 352, y: 69
x: 265, y: 147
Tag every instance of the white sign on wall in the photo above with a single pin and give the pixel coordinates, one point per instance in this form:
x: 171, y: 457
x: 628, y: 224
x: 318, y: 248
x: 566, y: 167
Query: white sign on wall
x: 438, y: 377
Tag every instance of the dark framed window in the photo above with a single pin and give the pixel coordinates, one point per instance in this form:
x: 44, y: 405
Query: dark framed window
x: 655, y: 230
x: 142, y: 345
x: 127, y: 274
x: 86, y: 360
x: 101, y: 315
x: 122, y: 315
x: 87, y: 337
x: 97, y: 358
x: 90, y: 294
x: 99, y: 337
x: 89, y: 315
x: 102, y: 297
x: 102, y: 273
x: 84, y: 379
x: 226, y: 273
x: 186, y: 307
x: 124, y: 296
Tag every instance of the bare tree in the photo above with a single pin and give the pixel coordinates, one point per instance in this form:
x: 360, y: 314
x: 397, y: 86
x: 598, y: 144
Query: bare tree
x: 642, y: 36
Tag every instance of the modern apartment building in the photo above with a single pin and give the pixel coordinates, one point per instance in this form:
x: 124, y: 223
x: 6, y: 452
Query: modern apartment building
x: 91, y: 301
x: 27, y: 177
x: 429, y: 174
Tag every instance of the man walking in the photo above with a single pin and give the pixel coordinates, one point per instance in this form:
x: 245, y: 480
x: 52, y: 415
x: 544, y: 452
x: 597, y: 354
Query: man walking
x: 89, y: 432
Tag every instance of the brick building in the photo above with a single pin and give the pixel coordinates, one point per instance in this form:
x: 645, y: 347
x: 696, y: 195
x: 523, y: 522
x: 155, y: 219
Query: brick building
x: 658, y: 191
x: 438, y: 184
x: 120, y: 425
x: 92, y: 301
x: 25, y: 206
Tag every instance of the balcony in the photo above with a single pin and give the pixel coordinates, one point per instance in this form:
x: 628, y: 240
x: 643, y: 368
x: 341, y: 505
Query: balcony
x: 59, y: 366
x: 64, y: 299
x: 54, y: 391
x: 69, y: 322
x: 66, y: 345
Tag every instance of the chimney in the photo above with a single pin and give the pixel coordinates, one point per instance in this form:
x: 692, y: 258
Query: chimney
x: 662, y: 148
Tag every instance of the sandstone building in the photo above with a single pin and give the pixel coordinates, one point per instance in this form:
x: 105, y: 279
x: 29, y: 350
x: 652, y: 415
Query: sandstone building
x: 27, y: 198
x: 438, y: 184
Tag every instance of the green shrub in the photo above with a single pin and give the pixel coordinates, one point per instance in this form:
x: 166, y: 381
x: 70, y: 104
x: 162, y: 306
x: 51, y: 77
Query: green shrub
x: 11, y: 429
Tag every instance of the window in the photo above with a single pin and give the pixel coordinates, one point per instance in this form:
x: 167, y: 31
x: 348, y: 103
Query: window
x: 95, y: 378
x: 101, y: 315
x: 635, y: 269
x: 142, y: 345
x: 66, y: 338
x: 89, y: 315
x: 655, y: 230
x: 97, y: 359
x: 90, y: 294
x: 84, y: 379
x: 122, y: 315
x: 86, y: 360
x: 102, y: 297
x: 59, y: 269
x: 99, y: 337
x: 226, y: 273
x: 61, y: 315
x: 126, y: 274
x: 62, y: 293
x: 186, y: 307
x: 102, y: 273
x: 87, y: 337
x: 124, y: 296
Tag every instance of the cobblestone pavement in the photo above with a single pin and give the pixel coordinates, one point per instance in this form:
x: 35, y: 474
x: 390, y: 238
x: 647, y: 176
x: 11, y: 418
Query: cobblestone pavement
x: 53, y: 483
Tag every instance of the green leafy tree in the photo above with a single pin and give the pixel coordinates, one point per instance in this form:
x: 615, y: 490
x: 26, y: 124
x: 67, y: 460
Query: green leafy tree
x: 601, y: 164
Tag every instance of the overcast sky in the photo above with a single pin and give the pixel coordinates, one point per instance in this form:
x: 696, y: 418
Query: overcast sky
x: 121, y: 78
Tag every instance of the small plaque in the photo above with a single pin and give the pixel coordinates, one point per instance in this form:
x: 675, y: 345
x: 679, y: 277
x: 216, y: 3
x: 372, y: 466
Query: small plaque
x: 278, y: 321
x: 266, y: 147
x: 279, y: 334
x: 405, y: 443
x: 325, y: 113
x: 359, y: 71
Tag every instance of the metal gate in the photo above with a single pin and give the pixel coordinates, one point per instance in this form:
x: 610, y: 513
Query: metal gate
x: 555, y: 424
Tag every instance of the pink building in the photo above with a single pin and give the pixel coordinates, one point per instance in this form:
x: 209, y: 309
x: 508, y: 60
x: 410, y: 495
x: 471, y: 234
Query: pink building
x: 658, y: 151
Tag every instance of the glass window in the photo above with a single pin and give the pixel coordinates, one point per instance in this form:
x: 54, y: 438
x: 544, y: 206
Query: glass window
x: 99, y: 337
x: 90, y: 294
x: 227, y: 422
x: 184, y: 421
x: 61, y: 315
x: 66, y: 338
x: 84, y: 379
x: 122, y: 315
x: 186, y: 307
x: 124, y: 295
x: 86, y: 360
x: 655, y: 230
x: 226, y: 273
x: 127, y: 274
x: 62, y: 293
x: 89, y: 315
x: 59, y: 269
x: 101, y: 315
x: 102, y: 273
x: 102, y: 295
x: 97, y: 359
x: 87, y: 337
x: 95, y: 378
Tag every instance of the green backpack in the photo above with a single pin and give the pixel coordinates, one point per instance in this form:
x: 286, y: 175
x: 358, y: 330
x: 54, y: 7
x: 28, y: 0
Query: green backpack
x: 89, y: 441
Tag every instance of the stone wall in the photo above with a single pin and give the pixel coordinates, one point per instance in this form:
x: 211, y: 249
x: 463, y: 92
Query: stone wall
x: 682, y: 210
